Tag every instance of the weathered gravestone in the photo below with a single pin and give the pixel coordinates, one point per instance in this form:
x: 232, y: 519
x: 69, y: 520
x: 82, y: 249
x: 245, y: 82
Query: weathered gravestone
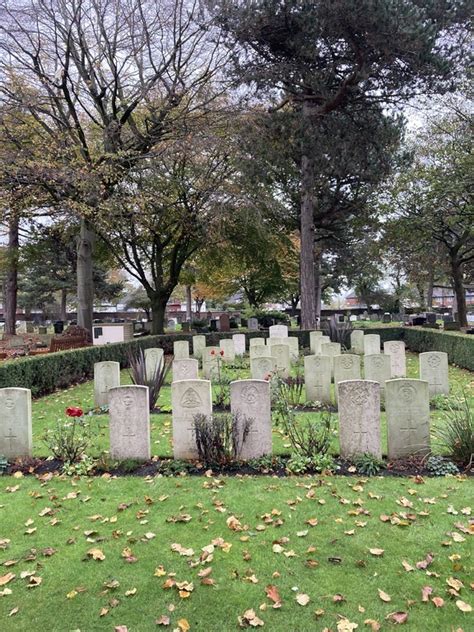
x: 15, y: 422
x: 371, y: 344
x: 395, y: 349
x: 434, y: 369
x: 210, y: 357
x: 106, y: 376
x: 407, y: 404
x: 276, y: 341
x: 346, y: 367
x: 357, y: 341
x: 129, y: 422
x: 261, y: 368
x: 227, y: 346
x: 293, y: 342
x: 278, y: 331
x: 313, y: 338
x: 153, y: 360
x: 377, y: 368
x: 281, y: 353
x: 260, y: 351
x: 199, y: 342
x: 331, y: 349
x: 359, y: 418
x: 185, y: 369
x: 224, y: 322
x: 181, y: 349
x: 250, y: 406
x: 318, y: 343
x: 256, y: 342
x: 188, y: 399
x: 252, y: 324
x: 239, y: 344
x: 317, y: 378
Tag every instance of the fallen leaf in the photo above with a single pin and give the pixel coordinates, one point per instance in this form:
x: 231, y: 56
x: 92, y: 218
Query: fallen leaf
x: 272, y: 593
x: 96, y: 554
x: 163, y: 620
x: 438, y: 602
x: 407, y: 566
x: 13, y: 611
x: 344, y: 625
x: 302, y: 599
x: 463, y: 606
x: 120, y: 628
x: 377, y: 552
x: 250, y: 618
x: 397, y: 617
x: 455, y: 583
x: 384, y: 596
x: 373, y: 624
x: 426, y: 562
x: 4, y: 579
x: 426, y: 591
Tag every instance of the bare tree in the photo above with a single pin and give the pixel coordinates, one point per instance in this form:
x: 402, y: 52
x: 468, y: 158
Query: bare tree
x: 102, y: 81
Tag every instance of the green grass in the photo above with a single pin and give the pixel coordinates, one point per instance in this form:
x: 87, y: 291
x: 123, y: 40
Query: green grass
x: 88, y: 516
x: 48, y: 410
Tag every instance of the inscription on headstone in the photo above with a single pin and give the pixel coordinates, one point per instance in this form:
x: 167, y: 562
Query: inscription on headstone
x: 261, y: 368
x: 408, y: 417
x: 346, y: 367
x: 395, y: 349
x: 185, y: 369
x: 181, y: 349
x: 371, y: 344
x: 434, y: 369
x: 317, y: 378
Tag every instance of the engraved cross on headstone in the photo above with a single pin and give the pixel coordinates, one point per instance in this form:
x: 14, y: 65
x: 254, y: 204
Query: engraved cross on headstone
x: 10, y: 436
x: 129, y: 432
x: 411, y: 429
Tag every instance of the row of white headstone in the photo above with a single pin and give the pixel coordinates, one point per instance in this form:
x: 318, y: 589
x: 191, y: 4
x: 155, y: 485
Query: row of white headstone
x: 406, y: 403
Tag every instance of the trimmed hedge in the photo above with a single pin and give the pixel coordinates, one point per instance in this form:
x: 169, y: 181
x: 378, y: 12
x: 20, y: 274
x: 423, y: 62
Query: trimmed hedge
x: 47, y: 373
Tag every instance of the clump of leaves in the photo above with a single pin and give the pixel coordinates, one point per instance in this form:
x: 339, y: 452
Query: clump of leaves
x: 267, y: 463
x: 339, y: 332
x: 439, y: 466
x: 173, y: 466
x: 83, y: 467
x: 155, y: 382
x: 69, y: 441
x: 291, y: 388
x: 221, y: 437
x: 444, y: 402
x: 299, y: 464
x: 221, y: 383
x: 456, y: 433
x: 368, y: 464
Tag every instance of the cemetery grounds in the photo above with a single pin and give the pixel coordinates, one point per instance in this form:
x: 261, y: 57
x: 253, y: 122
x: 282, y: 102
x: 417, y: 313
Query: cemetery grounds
x: 218, y: 552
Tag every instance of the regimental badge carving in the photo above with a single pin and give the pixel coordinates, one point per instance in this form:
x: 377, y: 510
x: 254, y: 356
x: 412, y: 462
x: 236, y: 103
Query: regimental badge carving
x: 128, y: 400
x: 407, y: 393
x: 434, y: 361
x: 190, y: 399
x: 360, y: 397
x: 250, y: 394
x: 264, y: 364
x: 347, y: 363
x: 378, y: 362
x: 9, y: 402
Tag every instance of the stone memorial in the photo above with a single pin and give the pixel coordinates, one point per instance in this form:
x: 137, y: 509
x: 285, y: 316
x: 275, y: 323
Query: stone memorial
x: 318, y: 342
x: 395, y: 349
x: 227, y: 346
x: 261, y: 368
x: 346, y: 367
x: 129, y: 423
x: 313, y: 337
x: 371, y: 344
x: 153, y: 359
x: 239, y: 344
x: 359, y: 418
x: 187, y: 369
x: 181, y: 349
x: 317, y: 378
x: 252, y: 324
x: 407, y: 405
x: 331, y: 349
x: 434, y: 369
x: 378, y: 369
x: 199, y: 342
x: 188, y: 399
x: 357, y: 341
x: 260, y: 351
x: 106, y: 376
x: 15, y: 422
x: 209, y: 361
x: 276, y: 341
x: 293, y: 342
x: 281, y: 353
x: 256, y: 342
x: 224, y: 322
x: 250, y: 402
x: 278, y: 331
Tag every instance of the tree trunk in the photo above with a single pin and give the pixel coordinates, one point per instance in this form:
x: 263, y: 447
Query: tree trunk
x: 158, y: 309
x: 421, y: 293
x: 85, y: 282
x: 63, y: 314
x: 459, y: 290
x: 318, y: 283
x: 189, y: 304
x: 429, y: 291
x: 307, y: 280
x: 11, y: 277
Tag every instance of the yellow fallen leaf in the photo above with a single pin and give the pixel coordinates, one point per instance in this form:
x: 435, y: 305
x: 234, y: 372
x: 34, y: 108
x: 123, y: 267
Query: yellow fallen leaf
x: 96, y: 554
x: 184, y: 625
x: 4, y: 579
x: 383, y: 596
x: 377, y: 552
x: 302, y: 599
x: 463, y: 606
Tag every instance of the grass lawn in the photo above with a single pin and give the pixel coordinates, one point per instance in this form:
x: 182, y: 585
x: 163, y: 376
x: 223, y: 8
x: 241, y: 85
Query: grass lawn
x: 48, y: 410
x: 50, y: 529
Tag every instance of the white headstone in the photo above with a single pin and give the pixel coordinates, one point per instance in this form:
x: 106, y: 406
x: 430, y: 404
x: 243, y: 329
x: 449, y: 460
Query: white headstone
x: 407, y: 404
x: 331, y: 349
x: 277, y: 340
x: 239, y: 344
x: 227, y: 346
x: 313, y: 341
x: 294, y: 348
x: 181, y: 349
x: 209, y: 361
x: 252, y: 324
x: 129, y: 422
x: 317, y: 378
x: 377, y: 368
x: 188, y: 399
x: 260, y: 351
x: 256, y: 342
x: 278, y: 331
x: 250, y: 400
x: 281, y: 353
x: 106, y: 376
x: 346, y: 367
x: 395, y: 349
x: 434, y: 369
x: 185, y: 369
x: 357, y: 341
x: 15, y: 422
x: 371, y: 344
x: 261, y: 368
x: 153, y: 359
x: 199, y: 342
x: 359, y: 418
x: 318, y: 343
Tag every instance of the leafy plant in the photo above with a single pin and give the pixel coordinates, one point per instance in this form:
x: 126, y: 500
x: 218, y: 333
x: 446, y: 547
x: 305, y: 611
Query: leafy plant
x: 221, y: 382
x: 299, y: 464
x: 439, y: 466
x: 291, y: 388
x: 338, y: 332
x: 444, y: 402
x: 221, y: 437
x: 368, y: 464
x: 172, y: 467
x: 69, y: 440
x: 266, y: 463
x: 456, y: 434
x: 155, y: 382
x: 83, y: 467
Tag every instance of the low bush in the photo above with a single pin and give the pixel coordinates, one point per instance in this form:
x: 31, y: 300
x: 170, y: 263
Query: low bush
x: 219, y: 439
x: 456, y: 434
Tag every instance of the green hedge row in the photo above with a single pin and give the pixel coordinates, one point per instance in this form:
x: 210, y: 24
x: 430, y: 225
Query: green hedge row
x: 50, y: 372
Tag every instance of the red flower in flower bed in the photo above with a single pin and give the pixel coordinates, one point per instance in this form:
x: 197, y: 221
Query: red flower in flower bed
x: 73, y: 411
x: 221, y: 352
x: 213, y: 352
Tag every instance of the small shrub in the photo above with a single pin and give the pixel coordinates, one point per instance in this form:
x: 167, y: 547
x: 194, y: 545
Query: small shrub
x: 173, y: 467
x: 266, y: 463
x: 83, y: 467
x: 368, y: 464
x: 439, y: 466
x: 218, y: 439
x: 291, y: 388
x: 155, y: 382
x: 299, y: 464
x: 456, y: 434
x: 69, y: 440
x: 221, y: 380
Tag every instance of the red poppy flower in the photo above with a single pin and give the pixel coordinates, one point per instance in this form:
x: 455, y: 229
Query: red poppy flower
x: 213, y: 352
x: 221, y: 352
x: 72, y: 411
